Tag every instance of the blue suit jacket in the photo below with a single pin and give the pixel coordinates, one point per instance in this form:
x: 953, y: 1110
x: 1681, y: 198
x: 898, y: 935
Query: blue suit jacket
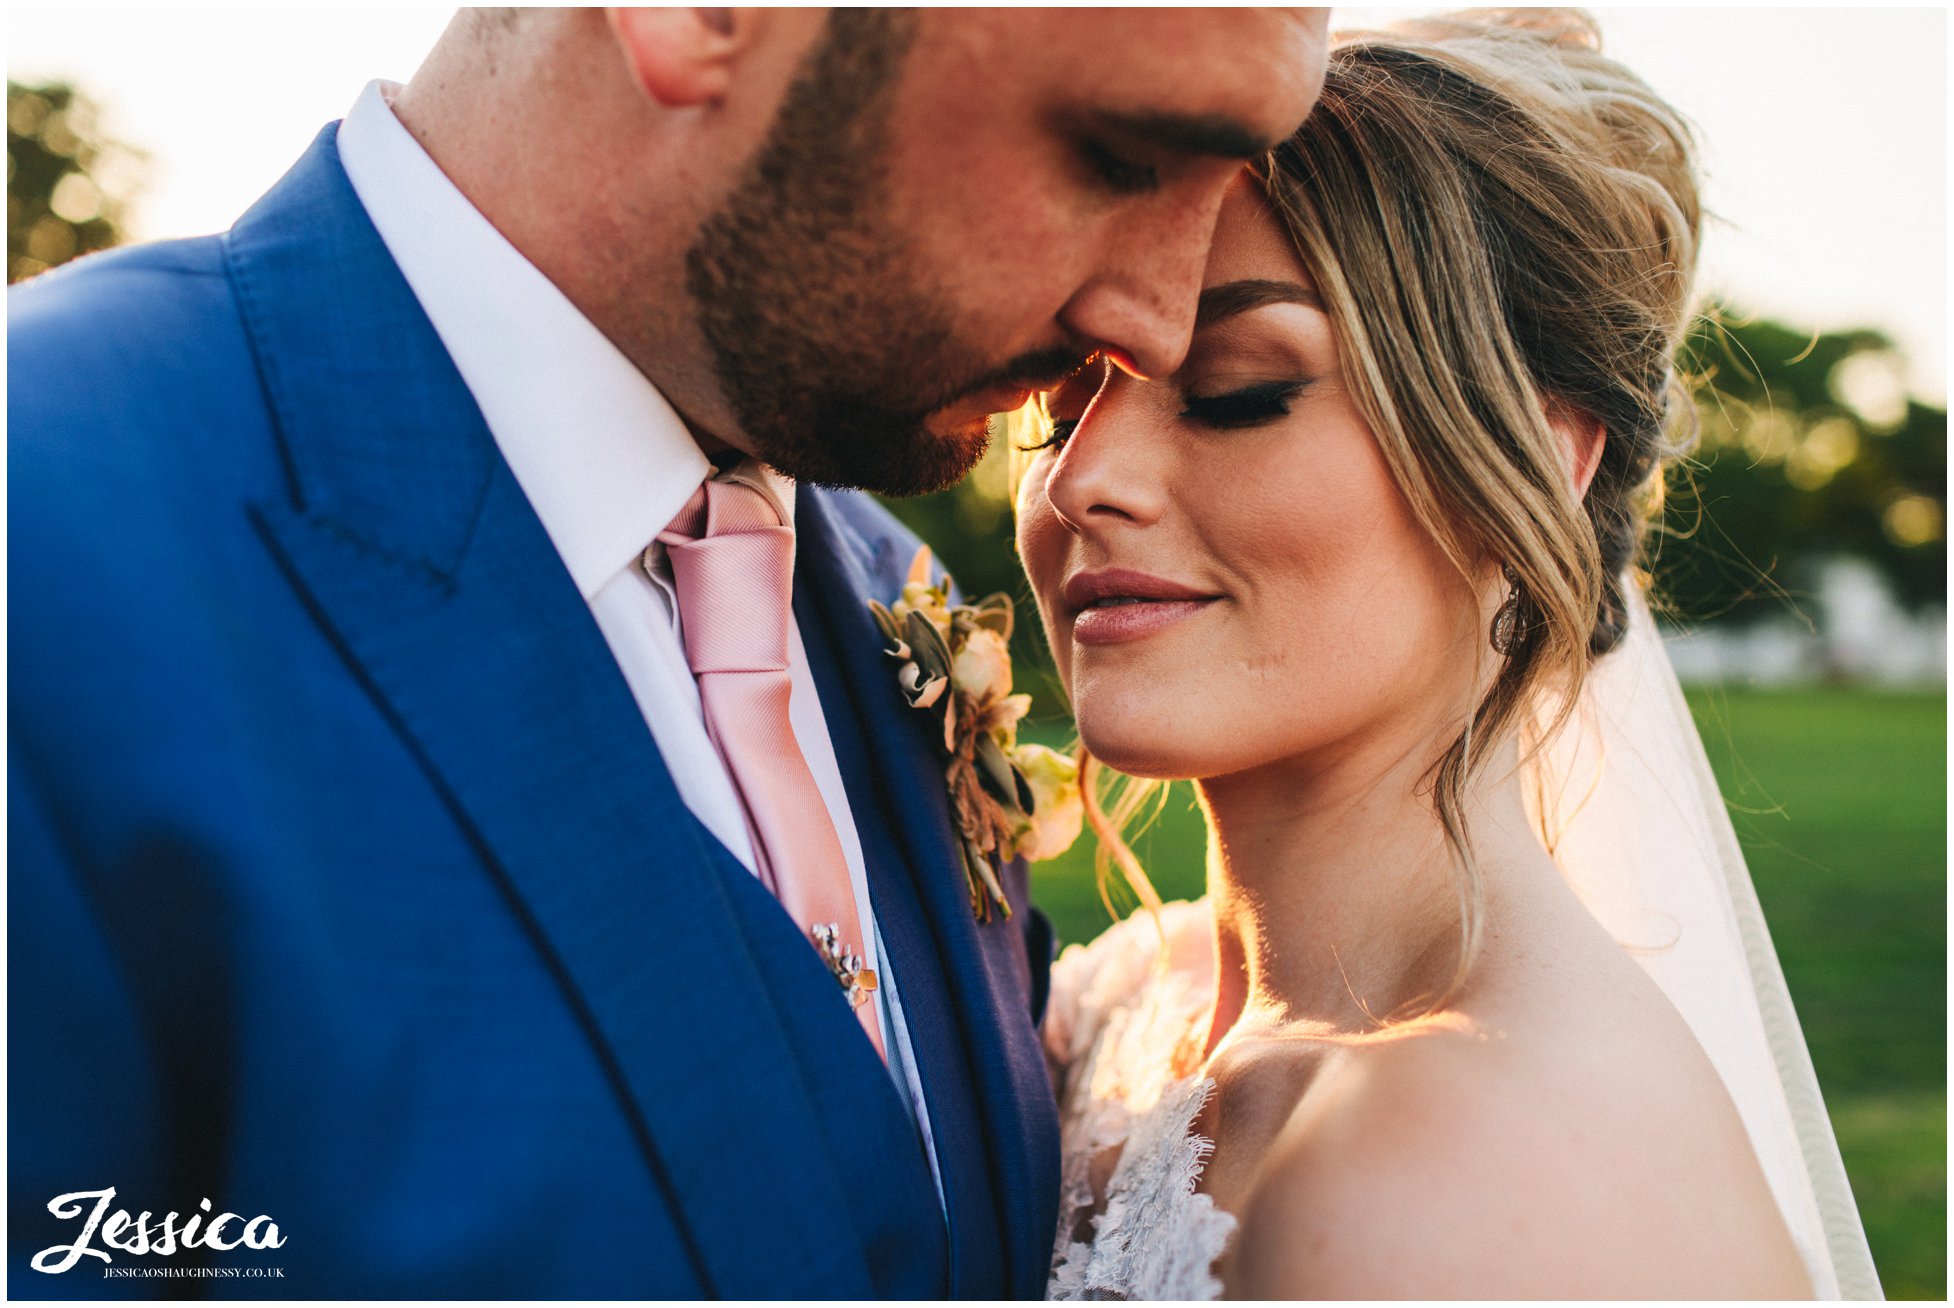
x: 347, y: 886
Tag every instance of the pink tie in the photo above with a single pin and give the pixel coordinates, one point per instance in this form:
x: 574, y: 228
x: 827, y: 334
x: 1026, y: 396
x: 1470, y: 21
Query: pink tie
x: 733, y: 566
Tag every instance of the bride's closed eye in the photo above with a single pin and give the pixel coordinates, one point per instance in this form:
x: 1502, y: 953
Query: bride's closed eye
x: 1246, y: 406
x: 1060, y: 433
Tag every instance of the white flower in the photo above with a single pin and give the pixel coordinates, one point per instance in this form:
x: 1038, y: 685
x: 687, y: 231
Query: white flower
x: 982, y: 668
x: 1058, y: 811
x: 1001, y: 719
x: 1009, y: 801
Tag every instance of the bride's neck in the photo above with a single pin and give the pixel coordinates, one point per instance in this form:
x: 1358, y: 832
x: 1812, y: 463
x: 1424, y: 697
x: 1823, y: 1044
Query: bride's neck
x: 1335, y: 892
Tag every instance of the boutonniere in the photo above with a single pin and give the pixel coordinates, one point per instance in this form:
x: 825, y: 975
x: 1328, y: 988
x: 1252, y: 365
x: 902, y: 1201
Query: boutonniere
x: 1010, y: 800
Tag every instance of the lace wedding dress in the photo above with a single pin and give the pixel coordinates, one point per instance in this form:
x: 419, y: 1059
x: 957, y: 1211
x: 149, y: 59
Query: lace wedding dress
x: 1117, y: 1030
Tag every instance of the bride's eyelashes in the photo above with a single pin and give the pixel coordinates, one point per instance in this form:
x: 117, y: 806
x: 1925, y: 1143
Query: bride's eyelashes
x: 1248, y: 406
x: 1060, y: 433
x: 1075, y: 394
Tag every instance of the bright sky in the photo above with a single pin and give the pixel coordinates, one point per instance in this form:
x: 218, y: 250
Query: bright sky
x: 1825, y: 131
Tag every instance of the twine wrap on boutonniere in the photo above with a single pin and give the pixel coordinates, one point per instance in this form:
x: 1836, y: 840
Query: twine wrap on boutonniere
x: 1010, y: 800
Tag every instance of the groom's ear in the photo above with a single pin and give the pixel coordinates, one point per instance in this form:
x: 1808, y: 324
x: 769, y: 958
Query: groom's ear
x: 684, y: 58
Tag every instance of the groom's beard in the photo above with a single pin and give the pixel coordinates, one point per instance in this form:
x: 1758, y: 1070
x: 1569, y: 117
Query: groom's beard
x: 831, y: 347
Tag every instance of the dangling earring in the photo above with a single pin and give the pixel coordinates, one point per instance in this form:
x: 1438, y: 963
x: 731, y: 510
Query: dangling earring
x: 1506, y: 622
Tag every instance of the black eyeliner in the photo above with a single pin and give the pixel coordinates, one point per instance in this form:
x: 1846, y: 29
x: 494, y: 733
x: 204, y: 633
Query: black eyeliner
x: 1261, y: 402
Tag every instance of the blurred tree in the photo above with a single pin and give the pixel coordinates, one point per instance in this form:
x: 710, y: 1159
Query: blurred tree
x: 1811, y: 448
x: 67, y: 187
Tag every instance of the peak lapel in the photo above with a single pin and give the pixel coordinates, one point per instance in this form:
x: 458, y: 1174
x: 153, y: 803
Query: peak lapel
x: 965, y: 985
x: 423, y: 562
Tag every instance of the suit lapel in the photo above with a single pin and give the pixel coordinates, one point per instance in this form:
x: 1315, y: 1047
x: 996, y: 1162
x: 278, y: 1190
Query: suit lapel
x: 964, y: 986
x: 422, y: 560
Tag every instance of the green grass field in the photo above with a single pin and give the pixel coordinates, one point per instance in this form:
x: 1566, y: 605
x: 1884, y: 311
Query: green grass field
x: 1839, y: 798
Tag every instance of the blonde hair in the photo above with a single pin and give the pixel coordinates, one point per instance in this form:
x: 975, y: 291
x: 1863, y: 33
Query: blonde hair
x: 1502, y: 225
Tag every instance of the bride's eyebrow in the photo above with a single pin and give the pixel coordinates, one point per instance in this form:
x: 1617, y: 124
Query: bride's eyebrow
x: 1218, y: 303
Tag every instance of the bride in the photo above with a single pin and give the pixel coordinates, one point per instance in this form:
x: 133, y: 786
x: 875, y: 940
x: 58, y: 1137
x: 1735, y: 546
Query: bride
x: 1363, y: 570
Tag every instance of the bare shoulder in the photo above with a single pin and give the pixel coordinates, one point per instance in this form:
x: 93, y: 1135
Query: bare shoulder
x: 1579, y: 1146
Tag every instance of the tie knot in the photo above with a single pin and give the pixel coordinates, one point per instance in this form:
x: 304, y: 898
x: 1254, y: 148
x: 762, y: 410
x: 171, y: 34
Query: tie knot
x: 723, y: 505
x: 733, y: 568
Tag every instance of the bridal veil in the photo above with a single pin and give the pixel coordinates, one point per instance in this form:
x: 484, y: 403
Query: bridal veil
x: 1626, y: 801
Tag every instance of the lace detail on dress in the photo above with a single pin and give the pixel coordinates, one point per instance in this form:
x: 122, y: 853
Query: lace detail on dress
x: 1131, y: 1224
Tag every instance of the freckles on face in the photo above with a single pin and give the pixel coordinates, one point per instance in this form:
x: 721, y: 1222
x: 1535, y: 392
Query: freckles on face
x: 1252, y: 476
x: 979, y: 209
x: 1336, y: 588
x: 995, y: 172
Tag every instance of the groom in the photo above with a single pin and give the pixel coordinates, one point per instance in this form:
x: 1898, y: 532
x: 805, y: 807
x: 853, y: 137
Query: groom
x: 443, y: 699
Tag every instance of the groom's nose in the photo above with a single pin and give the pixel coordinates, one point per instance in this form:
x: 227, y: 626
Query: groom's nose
x: 1138, y: 304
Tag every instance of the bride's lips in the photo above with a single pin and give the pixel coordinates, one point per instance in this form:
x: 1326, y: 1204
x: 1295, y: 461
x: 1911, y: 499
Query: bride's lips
x: 1117, y: 604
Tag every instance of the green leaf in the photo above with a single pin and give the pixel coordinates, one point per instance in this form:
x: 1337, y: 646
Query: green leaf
x: 931, y: 654
x: 1027, y: 799
x: 998, y: 776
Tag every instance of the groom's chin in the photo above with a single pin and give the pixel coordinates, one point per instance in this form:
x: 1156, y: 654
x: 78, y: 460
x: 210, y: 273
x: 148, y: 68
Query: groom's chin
x: 899, y: 460
x: 934, y: 458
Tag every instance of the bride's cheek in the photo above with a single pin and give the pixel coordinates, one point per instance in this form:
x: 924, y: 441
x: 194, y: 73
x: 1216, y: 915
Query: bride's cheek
x: 1039, y: 535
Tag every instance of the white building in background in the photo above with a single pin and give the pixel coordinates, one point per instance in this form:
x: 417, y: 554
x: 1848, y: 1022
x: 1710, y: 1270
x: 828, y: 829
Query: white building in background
x: 1861, y: 634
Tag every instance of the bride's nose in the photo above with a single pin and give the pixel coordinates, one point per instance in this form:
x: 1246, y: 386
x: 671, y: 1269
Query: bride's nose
x: 1114, y: 467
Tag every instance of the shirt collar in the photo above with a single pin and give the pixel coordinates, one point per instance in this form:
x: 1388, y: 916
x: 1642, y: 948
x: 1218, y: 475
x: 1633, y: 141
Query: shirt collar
x: 603, y: 458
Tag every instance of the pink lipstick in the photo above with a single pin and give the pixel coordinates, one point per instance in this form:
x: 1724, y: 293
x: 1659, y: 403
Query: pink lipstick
x: 1115, y: 605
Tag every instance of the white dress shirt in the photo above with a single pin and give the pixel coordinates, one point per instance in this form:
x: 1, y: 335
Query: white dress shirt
x: 606, y: 463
